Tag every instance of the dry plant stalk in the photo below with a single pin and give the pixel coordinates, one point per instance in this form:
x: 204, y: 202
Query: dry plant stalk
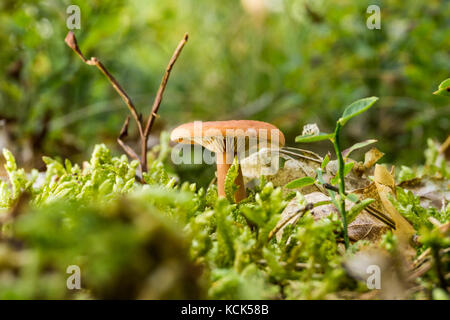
x: 144, y: 131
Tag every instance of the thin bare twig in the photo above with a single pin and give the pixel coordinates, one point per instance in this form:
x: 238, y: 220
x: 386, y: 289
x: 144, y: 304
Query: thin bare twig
x: 72, y: 43
x: 162, y: 86
x: 123, y: 134
x: 158, y: 99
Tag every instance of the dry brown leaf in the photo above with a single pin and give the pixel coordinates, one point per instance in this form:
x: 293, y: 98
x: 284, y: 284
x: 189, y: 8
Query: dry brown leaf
x: 385, y: 184
x: 366, y: 227
x: 383, y: 177
x: 370, y: 191
x: 371, y: 157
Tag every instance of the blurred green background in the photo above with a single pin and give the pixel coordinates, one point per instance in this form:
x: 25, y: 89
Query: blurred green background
x: 289, y: 62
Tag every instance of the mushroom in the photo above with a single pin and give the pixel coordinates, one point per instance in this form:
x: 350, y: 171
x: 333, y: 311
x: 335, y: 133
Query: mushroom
x: 229, y: 139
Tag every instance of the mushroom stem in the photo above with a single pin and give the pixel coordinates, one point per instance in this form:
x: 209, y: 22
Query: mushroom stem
x: 222, y: 170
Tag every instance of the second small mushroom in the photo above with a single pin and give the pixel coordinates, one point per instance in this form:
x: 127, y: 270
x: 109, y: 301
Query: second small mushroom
x: 228, y: 139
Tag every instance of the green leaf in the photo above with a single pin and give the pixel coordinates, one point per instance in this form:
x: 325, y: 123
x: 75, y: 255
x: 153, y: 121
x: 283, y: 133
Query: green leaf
x: 348, y: 167
x: 230, y: 186
x: 10, y: 164
x: 254, y: 214
x: 225, y: 235
x: 334, y: 180
x: 325, y: 162
x: 357, y: 208
x: 68, y: 165
x: 353, y: 197
x: 299, y: 183
x: 444, y: 88
x: 211, y: 195
x: 356, y: 108
x: 357, y: 146
x: 314, y: 137
x: 320, y: 176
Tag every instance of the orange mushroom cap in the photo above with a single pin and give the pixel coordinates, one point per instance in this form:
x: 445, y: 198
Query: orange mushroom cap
x: 215, y: 135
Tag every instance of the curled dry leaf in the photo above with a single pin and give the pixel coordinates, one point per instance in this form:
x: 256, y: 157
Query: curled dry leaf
x: 371, y: 157
x: 385, y: 184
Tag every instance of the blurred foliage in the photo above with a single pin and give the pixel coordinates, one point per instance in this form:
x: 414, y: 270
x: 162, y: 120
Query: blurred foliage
x: 288, y: 62
x: 79, y: 216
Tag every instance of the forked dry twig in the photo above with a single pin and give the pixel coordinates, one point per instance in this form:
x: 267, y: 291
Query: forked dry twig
x: 144, y: 132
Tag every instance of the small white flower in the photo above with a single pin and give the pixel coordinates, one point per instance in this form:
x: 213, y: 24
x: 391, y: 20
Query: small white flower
x: 310, y: 129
